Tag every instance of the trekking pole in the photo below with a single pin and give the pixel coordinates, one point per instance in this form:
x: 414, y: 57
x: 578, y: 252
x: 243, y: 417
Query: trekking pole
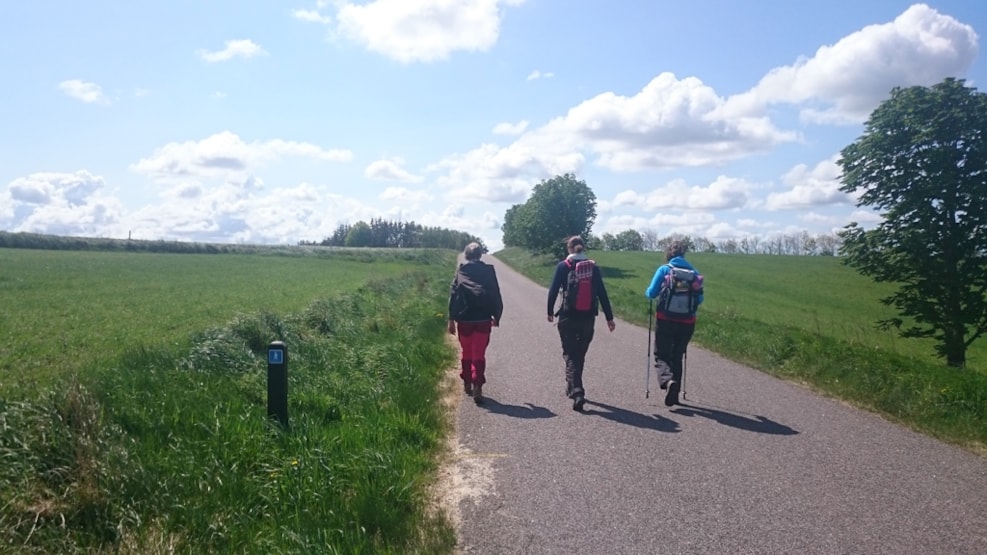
x: 685, y: 360
x: 647, y: 357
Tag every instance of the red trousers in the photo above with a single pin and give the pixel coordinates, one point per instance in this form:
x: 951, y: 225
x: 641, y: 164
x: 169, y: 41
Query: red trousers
x: 473, y: 338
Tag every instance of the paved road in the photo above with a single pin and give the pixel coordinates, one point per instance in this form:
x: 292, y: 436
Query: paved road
x: 748, y: 465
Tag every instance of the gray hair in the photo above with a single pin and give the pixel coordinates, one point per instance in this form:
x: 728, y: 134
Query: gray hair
x: 473, y: 251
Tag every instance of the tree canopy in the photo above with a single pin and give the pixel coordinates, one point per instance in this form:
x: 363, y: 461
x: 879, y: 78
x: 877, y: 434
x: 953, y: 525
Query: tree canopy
x: 557, y: 209
x: 922, y: 163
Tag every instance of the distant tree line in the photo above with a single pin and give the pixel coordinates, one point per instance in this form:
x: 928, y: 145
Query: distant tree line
x: 380, y: 233
x: 798, y: 244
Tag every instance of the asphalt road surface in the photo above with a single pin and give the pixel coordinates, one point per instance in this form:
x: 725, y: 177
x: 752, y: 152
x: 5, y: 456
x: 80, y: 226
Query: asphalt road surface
x: 748, y: 464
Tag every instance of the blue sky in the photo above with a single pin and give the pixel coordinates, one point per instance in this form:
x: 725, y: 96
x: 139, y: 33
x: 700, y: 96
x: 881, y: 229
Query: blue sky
x: 276, y: 121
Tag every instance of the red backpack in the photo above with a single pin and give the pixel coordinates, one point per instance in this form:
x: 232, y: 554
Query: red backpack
x: 578, y: 293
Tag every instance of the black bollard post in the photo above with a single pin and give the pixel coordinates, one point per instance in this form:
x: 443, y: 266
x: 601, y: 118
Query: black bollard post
x: 277, y: 382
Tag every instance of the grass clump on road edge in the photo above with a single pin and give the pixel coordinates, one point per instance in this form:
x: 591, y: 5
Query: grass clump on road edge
x: 173, y: 452
x: 809, y: 320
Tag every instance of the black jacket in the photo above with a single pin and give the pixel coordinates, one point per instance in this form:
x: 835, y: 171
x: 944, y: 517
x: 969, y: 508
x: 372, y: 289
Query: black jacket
x: 481, y: 278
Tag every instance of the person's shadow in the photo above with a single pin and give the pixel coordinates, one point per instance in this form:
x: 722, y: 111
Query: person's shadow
x: 516, y: 411
x: 759, y: 424
x: 636, y: 419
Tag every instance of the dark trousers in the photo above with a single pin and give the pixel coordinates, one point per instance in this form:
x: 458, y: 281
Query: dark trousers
x: 576, y: 333
x: 671, y: 340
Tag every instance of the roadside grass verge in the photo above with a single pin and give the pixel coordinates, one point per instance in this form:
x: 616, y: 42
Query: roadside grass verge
x: 808, y: 320
x: 166, y: 447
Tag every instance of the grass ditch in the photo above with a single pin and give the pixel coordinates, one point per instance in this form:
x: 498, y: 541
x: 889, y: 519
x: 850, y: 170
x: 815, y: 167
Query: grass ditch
x: 167, y: 449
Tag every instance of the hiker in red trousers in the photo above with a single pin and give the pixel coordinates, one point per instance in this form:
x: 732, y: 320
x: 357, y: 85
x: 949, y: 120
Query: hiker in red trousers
x: 475, y: 306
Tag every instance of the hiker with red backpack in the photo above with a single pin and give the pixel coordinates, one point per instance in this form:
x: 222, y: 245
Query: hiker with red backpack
x: 678, y: 287
x: 583, y: 293
x: 475, y: 306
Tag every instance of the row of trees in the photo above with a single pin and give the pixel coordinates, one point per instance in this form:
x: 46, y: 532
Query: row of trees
x: 380, y: 233
x: 799, y: 244
x: 564, y: 206
x: 921, y: 161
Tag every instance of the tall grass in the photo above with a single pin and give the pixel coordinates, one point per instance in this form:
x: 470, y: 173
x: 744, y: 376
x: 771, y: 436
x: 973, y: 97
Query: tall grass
x: 165, y: 448
x: 811, y: 320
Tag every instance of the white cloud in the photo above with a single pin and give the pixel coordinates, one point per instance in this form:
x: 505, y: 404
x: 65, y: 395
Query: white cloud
x: 501, y: 174
x: 226, y: 154
x: 389, y: 170
x: 536, y: 74
x: 510, y: 128
x: 405, y: 196
x: 724, y: 193
x: 59, y: 203
x: 243, y: 48
x: 312, y: 16
x: 810, y: 187
x: 422, y: 30
x: 90, y: 93
x: 845, y: 82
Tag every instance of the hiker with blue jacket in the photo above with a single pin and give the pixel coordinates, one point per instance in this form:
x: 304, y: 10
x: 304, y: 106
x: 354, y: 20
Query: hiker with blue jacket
x: 678, y: 286
x: 583, y: 292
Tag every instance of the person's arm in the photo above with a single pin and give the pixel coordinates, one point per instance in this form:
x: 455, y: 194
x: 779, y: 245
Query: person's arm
x: 601, y: 294
x: 498, y: 301
x: 652, y: 291
x: 553, y: 290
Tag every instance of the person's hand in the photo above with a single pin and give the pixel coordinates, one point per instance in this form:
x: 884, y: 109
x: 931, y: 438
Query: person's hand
x: 551, y: 318
x: 452, y: 327
x: 611, y: 325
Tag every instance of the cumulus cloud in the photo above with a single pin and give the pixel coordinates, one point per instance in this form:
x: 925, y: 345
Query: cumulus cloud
x: 422, y: 30
x: 226, y: 154
x: 405, y: 196
x: 58, y: 203
x: 389, y: 170
x: 90, y: 93
x: 809, y: 187
x: 510, y: 128
x: 244, y: 48
x: 724, y: 193
x: 313, y: 16
x: 845, y: 82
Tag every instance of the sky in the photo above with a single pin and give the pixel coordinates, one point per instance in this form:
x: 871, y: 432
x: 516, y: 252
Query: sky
x: 273, y: 122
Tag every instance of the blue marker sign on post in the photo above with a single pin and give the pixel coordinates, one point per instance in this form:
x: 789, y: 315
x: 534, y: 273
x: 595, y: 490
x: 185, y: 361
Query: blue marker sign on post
x: 277, y: 382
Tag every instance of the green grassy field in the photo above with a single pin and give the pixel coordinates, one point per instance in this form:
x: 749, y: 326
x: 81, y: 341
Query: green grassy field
x: 133, y: 402
x: 811, y: 320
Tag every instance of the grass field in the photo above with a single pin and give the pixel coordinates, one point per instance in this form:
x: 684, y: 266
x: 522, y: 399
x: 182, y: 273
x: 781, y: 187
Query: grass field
x: 133, y: 402
x: 811, y: 320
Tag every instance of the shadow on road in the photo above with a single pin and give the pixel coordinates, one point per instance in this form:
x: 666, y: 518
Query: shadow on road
x: 517, y: 411
x: 623, y: 416
x: 759, y: 424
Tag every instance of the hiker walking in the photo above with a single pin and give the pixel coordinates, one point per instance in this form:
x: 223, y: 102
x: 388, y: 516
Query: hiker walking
x: 582, y: 287
x: 475, y: 306
x: 679, y: 290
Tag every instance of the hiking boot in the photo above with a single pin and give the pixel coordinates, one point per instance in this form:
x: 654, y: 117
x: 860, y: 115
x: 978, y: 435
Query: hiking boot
x: 468, y: 388
x: 577, y: 402
x: 672, y: 397
x: 478, y: 394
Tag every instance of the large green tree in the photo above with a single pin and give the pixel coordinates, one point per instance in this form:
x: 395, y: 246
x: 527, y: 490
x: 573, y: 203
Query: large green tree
x: 557, y: 209
x: 922, y: 163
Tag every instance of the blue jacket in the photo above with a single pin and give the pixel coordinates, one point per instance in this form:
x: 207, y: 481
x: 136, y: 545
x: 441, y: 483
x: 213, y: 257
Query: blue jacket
x: 652, y: 291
